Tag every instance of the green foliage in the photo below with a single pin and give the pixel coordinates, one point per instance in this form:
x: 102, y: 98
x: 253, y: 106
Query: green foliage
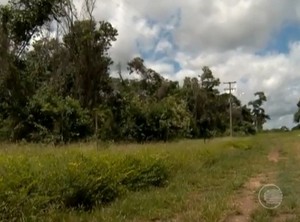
x: 297, y: 114
x: 87, y: 47
x: 209, y: 157
x: 137, y: 174
x: 49, y: 118
x: 34, y: 185
x: 62, y: 90
x: 208, y: 81
x: 258, y: 112
x: 297, y: 127
x: 60, y: 118
x: 22, y: 19
x: 168, y: 119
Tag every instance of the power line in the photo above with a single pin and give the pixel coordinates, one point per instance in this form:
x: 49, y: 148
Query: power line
x: 230, y: 88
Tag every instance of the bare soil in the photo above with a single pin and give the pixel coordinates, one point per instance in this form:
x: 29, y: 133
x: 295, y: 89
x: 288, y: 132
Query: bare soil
x: 245, y: 202
x: 274, y: 156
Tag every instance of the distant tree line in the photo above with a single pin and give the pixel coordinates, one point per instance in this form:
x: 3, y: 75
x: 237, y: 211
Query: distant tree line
x: 60, y: 89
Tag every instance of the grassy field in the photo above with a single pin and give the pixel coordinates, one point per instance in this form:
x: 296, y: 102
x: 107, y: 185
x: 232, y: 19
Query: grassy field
x: 180, y: 181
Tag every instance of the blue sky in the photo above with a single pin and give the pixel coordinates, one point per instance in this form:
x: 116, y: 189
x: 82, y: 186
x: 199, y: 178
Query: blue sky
x: 279, y: 43
x: 251, y: 42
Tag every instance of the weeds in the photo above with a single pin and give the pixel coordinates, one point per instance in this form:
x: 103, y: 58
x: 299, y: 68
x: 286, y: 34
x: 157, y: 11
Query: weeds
x: 31, y: 184
x: 184, y: 180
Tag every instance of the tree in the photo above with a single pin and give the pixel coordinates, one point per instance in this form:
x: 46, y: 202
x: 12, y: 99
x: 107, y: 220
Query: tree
x: 87, y: 49
x: 297, y: 117
x: 202, y: 99
x: 208, y: 81
x: 151, y: 81
x: 20, y: 21
x: 258, y: 113
x: 297, y: 114
x: 56, y: 89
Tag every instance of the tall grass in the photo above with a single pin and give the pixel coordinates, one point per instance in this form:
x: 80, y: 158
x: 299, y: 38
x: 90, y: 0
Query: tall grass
x: 30, y: 184
x: 186, y: 179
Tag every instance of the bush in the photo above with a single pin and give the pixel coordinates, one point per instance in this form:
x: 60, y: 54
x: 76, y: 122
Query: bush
x: 32, y: 185
x: 209, y: 158
x: 139, y: 174
x: 53, y: 118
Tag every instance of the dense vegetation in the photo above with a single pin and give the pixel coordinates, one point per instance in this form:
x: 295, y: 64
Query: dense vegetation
x: 182, y: 181
x: 32, y: 184
x: 38, y: 184
x: 59, y: 89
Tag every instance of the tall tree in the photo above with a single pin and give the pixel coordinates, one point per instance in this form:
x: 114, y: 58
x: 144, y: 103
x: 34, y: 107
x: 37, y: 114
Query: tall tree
x: 258, y: 113
x: 150, y: 80
x: 201, y: 97
x: 20, y: 21
x: 57, y: 88
x: 87, y: 47
x: 297, y: 114
x: 208, y: 81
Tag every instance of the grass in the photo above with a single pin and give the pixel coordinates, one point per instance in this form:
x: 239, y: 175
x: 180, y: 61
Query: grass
x: 183, y: 181
x: 288, y: 179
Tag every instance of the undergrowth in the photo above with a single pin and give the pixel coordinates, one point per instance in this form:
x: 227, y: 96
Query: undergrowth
x: 30, y: 185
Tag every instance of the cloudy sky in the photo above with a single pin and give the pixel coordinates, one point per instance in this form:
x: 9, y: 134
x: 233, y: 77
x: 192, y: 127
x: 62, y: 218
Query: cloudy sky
x: 253, y: 42
x: 256, y: 43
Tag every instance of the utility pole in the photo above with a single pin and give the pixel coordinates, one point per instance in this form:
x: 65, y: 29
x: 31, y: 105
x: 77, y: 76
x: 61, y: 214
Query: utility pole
x: 230, y: 104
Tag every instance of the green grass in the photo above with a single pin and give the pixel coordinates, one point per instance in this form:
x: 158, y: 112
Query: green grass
x: 186, y: 180
x: 288, y: 179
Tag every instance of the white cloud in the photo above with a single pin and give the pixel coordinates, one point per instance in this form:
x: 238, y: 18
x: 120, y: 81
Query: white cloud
x: 275, y: 74
x: 222, y: 25
x: 165, y: 69
x: 163, y: 46
x: 223, y: 34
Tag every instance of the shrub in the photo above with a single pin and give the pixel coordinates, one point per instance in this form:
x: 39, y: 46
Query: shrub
x: 32, y: 185
x: 209, y: 158
x: 54, y: 118
x: 139, y: 174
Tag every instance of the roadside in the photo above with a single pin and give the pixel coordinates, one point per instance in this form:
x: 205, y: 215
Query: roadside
x: 211, y: 182
x: 287, y: 161
x: 245, y: 201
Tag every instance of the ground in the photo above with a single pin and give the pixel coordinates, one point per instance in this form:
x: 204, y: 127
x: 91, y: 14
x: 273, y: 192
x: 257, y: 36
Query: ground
x: 217, y: 181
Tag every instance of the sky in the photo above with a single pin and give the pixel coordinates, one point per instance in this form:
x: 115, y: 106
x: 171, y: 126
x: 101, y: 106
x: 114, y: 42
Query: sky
x: 255, y: 43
